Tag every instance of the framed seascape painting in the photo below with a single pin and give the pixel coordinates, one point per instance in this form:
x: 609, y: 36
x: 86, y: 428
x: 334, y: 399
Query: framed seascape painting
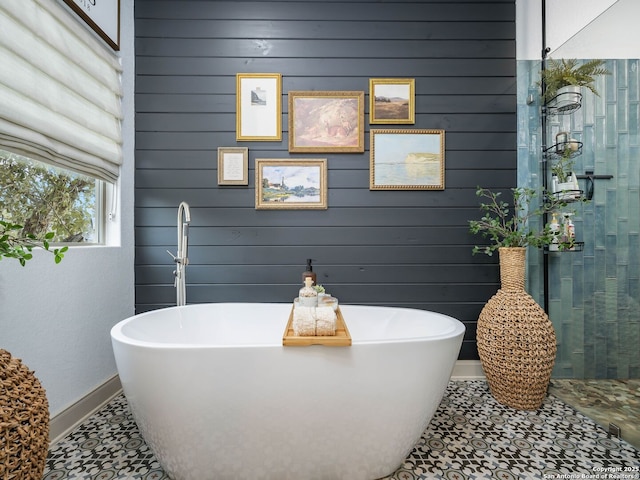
x: 233, y: 166
x: 392, y: 100
x: 406, y: 159
x: 326, y: 121
x: 258, y: 107
x: 291, y: 184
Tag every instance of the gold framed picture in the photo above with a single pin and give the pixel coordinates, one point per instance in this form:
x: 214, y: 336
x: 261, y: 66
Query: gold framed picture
x: 291, y: 184
x: 258, y: 107
x: 406, y: 159
x: 233, y: 166
x: 392, y: 100
x: 326, y: 121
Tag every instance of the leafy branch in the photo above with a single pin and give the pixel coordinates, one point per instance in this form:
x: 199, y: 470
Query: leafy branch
x: 507, y: 225
x: 18, y: 244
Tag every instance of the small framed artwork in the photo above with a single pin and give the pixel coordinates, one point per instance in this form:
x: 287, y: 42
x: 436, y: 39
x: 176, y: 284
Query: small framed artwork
x: 291, y: 184
x: 233, y: 166
x: 102, y: 17
x: 258, y: 107
x: 325, y: 121
x: 406, y: 159
x: 392, y: 100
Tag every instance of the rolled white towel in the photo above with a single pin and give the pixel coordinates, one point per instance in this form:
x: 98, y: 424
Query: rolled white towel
x: 325, y: 321
x: 304, y: 321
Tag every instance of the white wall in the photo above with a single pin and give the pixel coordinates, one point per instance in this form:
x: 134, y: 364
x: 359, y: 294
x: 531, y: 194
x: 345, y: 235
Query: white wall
x: 579, y: 29
x: 57, y: 318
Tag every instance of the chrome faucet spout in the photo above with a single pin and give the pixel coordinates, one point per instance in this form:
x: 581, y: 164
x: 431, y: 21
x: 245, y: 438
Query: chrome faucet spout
x: 181, y: 259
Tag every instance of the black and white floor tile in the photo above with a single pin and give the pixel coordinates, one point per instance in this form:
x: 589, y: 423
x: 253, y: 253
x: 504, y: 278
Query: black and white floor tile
x: 471, y: 436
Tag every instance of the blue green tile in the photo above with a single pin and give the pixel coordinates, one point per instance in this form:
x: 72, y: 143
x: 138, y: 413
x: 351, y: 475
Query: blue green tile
x: 634, y: 256
x: 595, y: 293
x: 634, y: 124
x: 589, y: 367
x: 621, y: 110
x: 611, y: 226
x: 600, y: 269
x: 611, y: 130
x: 611, y: 257
x: 633, y: 67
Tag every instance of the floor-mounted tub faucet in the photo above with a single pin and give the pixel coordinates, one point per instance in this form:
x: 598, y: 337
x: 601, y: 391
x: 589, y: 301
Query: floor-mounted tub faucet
x: 181, y: 257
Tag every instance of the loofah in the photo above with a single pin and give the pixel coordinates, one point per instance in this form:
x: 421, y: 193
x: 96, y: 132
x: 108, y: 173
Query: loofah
x: 516, y: 340
x: 24, y: 421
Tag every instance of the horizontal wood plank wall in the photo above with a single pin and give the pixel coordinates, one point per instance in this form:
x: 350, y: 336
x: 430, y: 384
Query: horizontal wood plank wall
x: 398, y: 248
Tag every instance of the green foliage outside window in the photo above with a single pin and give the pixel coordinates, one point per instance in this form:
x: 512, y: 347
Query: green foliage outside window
x: 49, y: 204
x: 40, y: 206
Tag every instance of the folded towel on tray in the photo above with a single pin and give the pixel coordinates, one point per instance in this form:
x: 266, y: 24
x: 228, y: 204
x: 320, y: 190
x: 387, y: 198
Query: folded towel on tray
x: 325, y: 321
x: 304, y: 321
x: 312, y: 321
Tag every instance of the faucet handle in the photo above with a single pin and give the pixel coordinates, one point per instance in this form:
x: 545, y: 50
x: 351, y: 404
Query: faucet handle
x: 175, y: 259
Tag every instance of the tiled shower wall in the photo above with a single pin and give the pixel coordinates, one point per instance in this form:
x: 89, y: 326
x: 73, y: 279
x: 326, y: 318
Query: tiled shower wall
x: 593, y: 294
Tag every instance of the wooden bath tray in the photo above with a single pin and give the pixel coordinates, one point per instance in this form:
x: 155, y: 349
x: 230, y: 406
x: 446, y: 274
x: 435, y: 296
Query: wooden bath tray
x: 342, y: 338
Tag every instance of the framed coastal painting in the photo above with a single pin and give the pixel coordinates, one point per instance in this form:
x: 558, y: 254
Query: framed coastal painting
x: 406, y: 159
x: 258, y: 107
x: 233, y: 166
x: 326, y: 121
x: 291, y: 184
x: 392, y: 100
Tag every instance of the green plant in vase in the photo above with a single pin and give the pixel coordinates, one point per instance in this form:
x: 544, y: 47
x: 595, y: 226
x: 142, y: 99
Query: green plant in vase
x: 508, y: 224
x: 567, y: 72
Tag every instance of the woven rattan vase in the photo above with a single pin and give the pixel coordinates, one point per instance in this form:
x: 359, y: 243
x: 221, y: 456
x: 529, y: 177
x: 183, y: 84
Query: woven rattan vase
x: 24, y: 421
x: 516, y: 340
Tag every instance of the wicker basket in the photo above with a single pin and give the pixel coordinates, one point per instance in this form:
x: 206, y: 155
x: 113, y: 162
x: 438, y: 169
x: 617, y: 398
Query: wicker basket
x: 516, y: 340
x: 24, y: 421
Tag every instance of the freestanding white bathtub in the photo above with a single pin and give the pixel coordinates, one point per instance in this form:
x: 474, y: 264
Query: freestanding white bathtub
x: 217, y: 396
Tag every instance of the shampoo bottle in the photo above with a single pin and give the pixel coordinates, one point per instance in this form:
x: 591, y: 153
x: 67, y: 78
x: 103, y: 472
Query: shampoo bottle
x: 309, y: 272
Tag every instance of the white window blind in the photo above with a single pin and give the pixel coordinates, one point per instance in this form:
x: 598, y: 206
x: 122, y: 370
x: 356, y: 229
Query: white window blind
x: 60, y: 90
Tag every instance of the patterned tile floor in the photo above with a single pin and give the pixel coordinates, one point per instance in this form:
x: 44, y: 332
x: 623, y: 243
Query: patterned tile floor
x: 471, y: 436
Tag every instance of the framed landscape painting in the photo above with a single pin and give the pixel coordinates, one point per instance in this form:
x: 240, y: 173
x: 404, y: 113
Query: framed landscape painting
x: 291, y: 184
x: 406, y: 159
x: 326, y: 121
x: 392, y: 100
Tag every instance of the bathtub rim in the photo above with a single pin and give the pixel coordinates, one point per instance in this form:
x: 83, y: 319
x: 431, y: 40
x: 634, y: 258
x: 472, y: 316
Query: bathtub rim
x: 117, y: 335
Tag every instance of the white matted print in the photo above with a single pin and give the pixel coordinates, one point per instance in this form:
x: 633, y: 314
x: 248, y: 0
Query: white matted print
x: 233, y: 166
x: 258, y: 107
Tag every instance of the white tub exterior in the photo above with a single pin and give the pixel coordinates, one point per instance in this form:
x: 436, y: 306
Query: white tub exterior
x: 217, y: 396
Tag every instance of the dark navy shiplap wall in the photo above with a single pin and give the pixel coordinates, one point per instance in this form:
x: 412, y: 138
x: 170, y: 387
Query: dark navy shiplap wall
x: 400, y: 248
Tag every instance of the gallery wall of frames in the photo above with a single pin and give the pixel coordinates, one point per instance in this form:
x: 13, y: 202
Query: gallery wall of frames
x: 353, y: 135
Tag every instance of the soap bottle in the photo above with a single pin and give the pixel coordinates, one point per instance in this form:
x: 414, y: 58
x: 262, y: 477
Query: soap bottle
x: 571, y: 233
x: 554, y: 226
x: 308, y: 297
x: 309, y: 272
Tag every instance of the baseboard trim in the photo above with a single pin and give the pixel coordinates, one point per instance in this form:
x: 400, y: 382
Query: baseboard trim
x: 71, y: 417
x: 468, y: 370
